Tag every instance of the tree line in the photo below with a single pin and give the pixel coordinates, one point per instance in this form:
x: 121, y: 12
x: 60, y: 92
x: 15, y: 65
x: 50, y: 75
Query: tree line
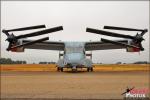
x: 46, y: 62
x: 10, y: 61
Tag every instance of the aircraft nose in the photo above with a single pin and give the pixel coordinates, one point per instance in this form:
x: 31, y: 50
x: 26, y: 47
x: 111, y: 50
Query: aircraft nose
x: 74, y: 57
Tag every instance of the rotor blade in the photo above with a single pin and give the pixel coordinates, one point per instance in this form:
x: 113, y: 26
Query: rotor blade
x: 121, y: 28
x: 30, y: 43
x: 144, y: 31
x: 4, y: 31
x: 40, y: 32
x: 118, y: 43
x: 109, y: 33
x: 26, y: 28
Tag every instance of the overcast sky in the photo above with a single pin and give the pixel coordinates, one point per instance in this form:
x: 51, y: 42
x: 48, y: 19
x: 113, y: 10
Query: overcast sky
x: 75, y: 16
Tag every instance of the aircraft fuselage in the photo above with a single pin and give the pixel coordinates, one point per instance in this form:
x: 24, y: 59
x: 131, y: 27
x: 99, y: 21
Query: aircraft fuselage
x: 74, y: 57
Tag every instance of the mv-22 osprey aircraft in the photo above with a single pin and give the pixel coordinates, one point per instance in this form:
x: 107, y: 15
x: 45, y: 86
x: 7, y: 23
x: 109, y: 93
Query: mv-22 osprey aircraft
x: 74, y: 53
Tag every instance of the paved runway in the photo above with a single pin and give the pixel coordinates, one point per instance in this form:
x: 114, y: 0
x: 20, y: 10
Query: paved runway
x: 66, y: 85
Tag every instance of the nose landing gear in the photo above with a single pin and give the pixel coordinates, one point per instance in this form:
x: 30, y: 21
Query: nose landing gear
x: 74, y: 69
x: 62, y: 69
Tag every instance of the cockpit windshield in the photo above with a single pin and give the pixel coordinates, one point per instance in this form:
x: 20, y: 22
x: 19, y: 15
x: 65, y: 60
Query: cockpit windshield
x: 74, y: 47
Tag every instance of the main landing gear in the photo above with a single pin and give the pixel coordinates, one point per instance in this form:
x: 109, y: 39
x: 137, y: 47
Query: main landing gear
x: 90, y: 69
x: 60, y: 69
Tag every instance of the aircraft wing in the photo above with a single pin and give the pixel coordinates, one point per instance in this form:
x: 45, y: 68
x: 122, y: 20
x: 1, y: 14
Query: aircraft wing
x: 46, y: 45
x: 99, y: 45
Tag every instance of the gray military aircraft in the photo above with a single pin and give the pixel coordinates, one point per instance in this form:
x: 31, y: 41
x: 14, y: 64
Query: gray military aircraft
x: 74, y: 53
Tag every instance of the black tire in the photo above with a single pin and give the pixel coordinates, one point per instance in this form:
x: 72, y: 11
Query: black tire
x: 91, y: 69
x: 88, y: 69
x: 62, y: 69
x: 58, y: 68
x: 74, y: 70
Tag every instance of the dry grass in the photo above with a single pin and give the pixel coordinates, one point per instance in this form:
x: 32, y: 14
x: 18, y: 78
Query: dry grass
x: 52, y: 67
x: 28, y: 67
x: 122, y: 67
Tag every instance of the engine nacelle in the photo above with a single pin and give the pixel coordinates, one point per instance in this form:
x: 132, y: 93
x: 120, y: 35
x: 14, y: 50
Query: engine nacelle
x: 19, y: 49
x: 132, y: 49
